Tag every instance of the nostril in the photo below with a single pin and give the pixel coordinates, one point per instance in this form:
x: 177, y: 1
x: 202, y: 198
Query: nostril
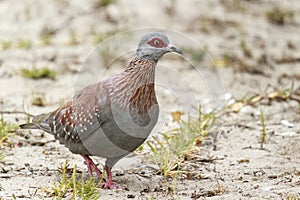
x: 175, y: 49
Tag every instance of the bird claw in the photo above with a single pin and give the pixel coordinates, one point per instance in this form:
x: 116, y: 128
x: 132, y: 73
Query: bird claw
x: 111, y: 186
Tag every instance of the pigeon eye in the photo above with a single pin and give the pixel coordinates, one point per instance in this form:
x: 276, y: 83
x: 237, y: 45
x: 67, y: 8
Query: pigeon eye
x: 157, y: 43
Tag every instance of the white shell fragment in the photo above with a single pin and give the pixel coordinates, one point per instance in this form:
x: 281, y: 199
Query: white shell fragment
x: 287, y: 123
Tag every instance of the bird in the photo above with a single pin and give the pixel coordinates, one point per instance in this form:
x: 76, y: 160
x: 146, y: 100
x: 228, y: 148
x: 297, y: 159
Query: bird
x: 113, y: 117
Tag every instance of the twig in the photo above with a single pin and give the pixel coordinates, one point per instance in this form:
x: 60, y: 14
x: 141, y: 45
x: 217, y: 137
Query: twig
x: 287, y: 60
x: 270, y: 62
x: 17, y: 112
x: 215, y: 139
x: 240, y: 125
x: 295, y: 99
x: 263, y: 131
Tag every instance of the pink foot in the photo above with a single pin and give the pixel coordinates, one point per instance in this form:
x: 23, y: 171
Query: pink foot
x: 109, y: 184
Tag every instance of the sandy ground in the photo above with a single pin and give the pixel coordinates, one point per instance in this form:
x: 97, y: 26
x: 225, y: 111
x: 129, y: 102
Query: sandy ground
x: 233, y: 165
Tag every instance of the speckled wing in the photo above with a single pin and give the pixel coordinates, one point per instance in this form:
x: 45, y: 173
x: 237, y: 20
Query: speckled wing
x: 75, y: 120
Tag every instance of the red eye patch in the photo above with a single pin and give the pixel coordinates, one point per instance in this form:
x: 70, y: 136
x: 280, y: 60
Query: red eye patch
x: 157, y: 43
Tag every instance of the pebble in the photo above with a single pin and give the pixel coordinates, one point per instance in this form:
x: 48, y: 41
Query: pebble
x: 247, y: 110
x: 113, y: 13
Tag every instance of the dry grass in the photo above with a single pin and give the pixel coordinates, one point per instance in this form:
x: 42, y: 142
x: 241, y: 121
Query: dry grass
x: 280, y: 16
x: 172, y: 148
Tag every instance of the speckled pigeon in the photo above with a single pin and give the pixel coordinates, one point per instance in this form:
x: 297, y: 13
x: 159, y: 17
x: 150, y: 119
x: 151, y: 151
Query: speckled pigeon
x: 113, y: 117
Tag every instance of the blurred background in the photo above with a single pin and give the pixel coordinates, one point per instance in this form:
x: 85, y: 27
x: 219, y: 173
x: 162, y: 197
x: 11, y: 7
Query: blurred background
x: 244, y: 53
x: 249, y: 37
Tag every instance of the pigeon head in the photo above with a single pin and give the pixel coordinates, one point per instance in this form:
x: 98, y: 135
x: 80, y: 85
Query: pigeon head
x: 154, y: 45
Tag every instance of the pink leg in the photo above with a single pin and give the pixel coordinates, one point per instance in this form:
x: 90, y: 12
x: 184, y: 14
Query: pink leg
x: 90, y: 164
x: 109, y: 184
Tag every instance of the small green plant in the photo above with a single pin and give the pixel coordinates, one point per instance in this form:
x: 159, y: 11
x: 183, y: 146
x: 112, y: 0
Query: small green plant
x: 38, y: 99
x: 46, y: 39
x: 224, y: 61
x: 104, y: 3
x: 1, y: 158
x: 27, y: 12
x: 36, y: 73
x: 246, y: 51
x: 5, y: 129
x: 6, y: 44
x: 71, y: 188
x: 24, y: 44
x: 178, y: 144
x: 279, y: 16
x: 263, y: 131
x: 73, y: 38
x: 100, y: 37
x: 170, y: 8
x: 196, y: 54
x: 108, y: 53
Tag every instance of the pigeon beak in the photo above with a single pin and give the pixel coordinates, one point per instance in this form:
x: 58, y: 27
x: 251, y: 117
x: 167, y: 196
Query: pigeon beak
x: 172, y: 48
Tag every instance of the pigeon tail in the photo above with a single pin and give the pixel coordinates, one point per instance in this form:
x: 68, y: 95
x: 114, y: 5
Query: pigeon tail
x: 38, y: 122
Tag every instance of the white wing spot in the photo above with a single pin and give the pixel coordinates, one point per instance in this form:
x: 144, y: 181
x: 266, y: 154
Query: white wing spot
x: 54, y: 128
